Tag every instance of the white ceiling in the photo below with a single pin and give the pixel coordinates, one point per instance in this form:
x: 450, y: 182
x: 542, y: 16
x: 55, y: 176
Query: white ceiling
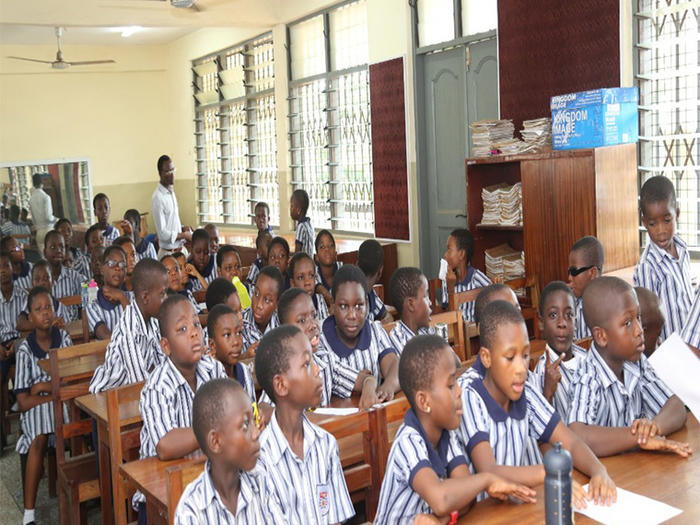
x: 21, y: 34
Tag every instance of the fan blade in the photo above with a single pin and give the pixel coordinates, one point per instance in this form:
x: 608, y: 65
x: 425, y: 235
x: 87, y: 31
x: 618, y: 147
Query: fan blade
x: 89, y: 62
x: 32, y: 60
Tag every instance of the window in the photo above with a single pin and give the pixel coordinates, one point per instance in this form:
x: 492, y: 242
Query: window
x: 667, y: 57
x: 436, y: 21
x: 329, y: 114
x: 236, y: 148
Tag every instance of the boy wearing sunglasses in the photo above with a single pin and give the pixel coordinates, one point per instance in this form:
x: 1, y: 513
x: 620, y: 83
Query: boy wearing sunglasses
x: 104, y: 313
x: 585, y: 264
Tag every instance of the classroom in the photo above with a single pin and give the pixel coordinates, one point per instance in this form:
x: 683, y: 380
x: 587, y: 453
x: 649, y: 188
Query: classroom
x: 312, y: 261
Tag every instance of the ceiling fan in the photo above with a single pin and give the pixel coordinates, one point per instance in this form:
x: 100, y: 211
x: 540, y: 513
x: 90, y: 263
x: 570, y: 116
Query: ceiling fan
x: 59, y: 63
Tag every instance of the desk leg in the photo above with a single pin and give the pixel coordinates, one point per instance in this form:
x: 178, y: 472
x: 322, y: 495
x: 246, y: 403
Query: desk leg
x: 105, y: 474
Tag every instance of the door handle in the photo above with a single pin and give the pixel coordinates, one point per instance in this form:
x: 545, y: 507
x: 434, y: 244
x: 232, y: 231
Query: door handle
x: 460, y: 215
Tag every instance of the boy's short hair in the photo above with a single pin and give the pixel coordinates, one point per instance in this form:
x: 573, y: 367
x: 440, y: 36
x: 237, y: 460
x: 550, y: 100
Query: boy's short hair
x: 495, y: 315
x: 166, y: 310
x: 298, y: 257
x: 370, y: 257
x: 274, y: 273
x: 302, y: 199
x: 41, y: 263
x: 597, y: 299
x: 133, y: 216
x: 417, y: 364
x: 121, y: 241
x: 591, y: 250
x: 89, y: 231
x: 4, y: 241
x: 98, y: 197
x: 657, y: 189
x: 62, y: 221
x: 209, y: 407
x: 465, y: 241
x: 111, y: 249
x: 218, y: 292
x: 200, y: 234
x: 223, y: 250
x: 51, y: 233
x: 161, y: 162
x: 286, y: 301
x: 145, y: 274
x: 485, y: 297
x: 262, y: 204
x: 272, y: 355
x: 36, y: 179
x: 646, y: 297
x: 349, y: 273
x: 215, y: 313
x: 262, y: 237
x: 34, y: 293
x: 282, y: 242
x: 554, y: 286
x: 404, y: 284
x: 320, y: 235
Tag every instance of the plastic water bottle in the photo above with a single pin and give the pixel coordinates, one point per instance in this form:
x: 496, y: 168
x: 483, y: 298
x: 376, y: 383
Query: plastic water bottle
x: 558, y: 486
x: 92, y: 291
x: 84, y: 297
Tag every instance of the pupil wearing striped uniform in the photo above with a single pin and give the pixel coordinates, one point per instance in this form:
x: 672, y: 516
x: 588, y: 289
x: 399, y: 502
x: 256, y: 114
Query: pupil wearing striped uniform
x: 302, y: 274
x: 134, y: 348
x: 664, y: 267
x: 213, y: 232
x: 278, y: 256
x: 653, y: 319
x: 104, y: 313
x: 228, y: 266
x: 66, y: 282
x: 427, y: 471
x: 262, y: 245
x: 326, y: 264
x: 127, y: 245
x: 501, y: 412
x: 370, y: 259
x: 304, y: 232
x: 65, y: 228
x: 556, y: 369
x: 262, y: 218
x: 586, y: 260
x: 261, y: 317
x: 86, y: 263
x: 175, y: 284
x: 617, y: 401
x: 131, y: 226
x: 301, y: 459
x: 202, y: 260
x: 167, y: 396
x: 460, y: 250
x: 41, y: 276
x: 21, y: 268
x: 33, y: 390
x: 12, y: 300
x: 101, y: 208
x: 233, y: 487
x: 408, y: 289
x: 348, y: 337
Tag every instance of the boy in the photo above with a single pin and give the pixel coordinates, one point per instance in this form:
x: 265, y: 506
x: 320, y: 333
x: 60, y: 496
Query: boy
x: 504, y: 404
x: 12, y: 301
x: 262, y: 218
x: 408, y: 290
x: 222, y: 291
x: 213, y: 232
x: 301, y: 459
x: 278, y: 256
x: 127, y: 245
x: 427, y: 471
x: 261, y: 317
x: 652, y: 318
x: 304, y: 231
x: 65, y: 228
x: 95, y: 264
x: 664, y: 267
x: 262, y: 245
x: 104, y: 313
x: 202, y: 261
x: 617, y: 401
x: 66, y: 282
x: 232, y: 489
x: 21, y: 268
x: 370, y: 259
x: 131, y: 225
x: 226, y: 342
x: 93, y: 239
x: 586, y: 260
x: 41, y: 276
x: 134, y: 348
x: 100, y: 205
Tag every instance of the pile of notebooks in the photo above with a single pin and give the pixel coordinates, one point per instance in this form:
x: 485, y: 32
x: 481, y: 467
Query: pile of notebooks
x: 493, y: 135
x: 505, y: 263
x: 537, y: 135
x: 503, y: 205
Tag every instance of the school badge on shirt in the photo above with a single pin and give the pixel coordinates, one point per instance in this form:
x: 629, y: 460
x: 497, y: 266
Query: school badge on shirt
x: 322, y: 491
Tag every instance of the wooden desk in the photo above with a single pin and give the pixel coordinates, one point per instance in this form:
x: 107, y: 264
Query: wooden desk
x: 76, y: 369
x: 664, y: 477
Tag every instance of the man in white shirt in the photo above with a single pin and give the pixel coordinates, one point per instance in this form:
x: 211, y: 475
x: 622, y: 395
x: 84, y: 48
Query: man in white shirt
x: 42, y: 210
x: 166, y: 214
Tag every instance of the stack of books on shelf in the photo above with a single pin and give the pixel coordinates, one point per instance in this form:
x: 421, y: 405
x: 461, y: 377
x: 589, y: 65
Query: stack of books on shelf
x: 505, y: 263
x: 493, y: 135
x: 503, y: 205
x: 537, y: 135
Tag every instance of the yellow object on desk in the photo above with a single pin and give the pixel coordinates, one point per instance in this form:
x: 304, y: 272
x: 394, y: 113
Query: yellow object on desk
x: 242, y: 293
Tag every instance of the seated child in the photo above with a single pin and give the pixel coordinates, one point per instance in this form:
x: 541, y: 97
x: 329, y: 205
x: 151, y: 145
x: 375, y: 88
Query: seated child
x: 127, y: 244
x: 186, y: 268
x: 664, y: 267
x: 586, y: 260
x: 134, y: 348
x: 93, y: 239
x: 291, y: 447
x: 131, y: 225
x: 21, y: 268
x: 231, y: 489
x: 213, y: 232
x: 104, y: 313
x: 33, y: 390
x: 175, y: 280
x: 278, y: 256
x: 228, y: 266
x: 226, y: 342
x: 12, y: 300
x: 202, y: 260
x: 222, y: 291
x: 95, y: 264
x: 370, y: 259
x: 691, y: 330
x: 504, y: 404
x: 350, y: 338
x: 304, y: 231
x: 408, y: 290
x: 460, y: 250
x: 617, y: 401
x: 261, y: 317
x: 427, y: 470
x: 101, y: 208
x: 166, y: 398
x: 65, y: 228
x: 262, y: 245
x: 41, y: 276
x: 653, y: 318
x: 302, y: 274
x: 262, y: 218
x: 66, y: 282
x: 327, y: 264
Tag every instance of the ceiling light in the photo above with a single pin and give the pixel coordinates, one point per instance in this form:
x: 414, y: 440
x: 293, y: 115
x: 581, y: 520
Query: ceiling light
x: 130, y: 30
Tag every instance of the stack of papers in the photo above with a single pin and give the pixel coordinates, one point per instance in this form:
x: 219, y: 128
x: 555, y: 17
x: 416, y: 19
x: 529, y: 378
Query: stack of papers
x: 630, y: 508
x: 503, y: 205
x: 537, y: 135
x: 505, y: 263
x: 488, y: 135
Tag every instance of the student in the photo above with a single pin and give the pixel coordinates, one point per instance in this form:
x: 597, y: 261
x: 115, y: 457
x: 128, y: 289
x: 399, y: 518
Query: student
x: 185, y: 267
x: 95, y: 265
x: 101, y: 208
x: 586, y: 260
x: 460, y: 250
x: 350, y: 338
x: 41, y: 276
x: 12, y: 300
x: 93, y: 239
x: 65, y: 228
x: 408, y: 290
x: 66, y: 282
x: 202, y: 261
x: 127, y: 245
x: 131, y: 225
x: 302, y: 274
x: 228, y: 266
x: 226, y: 342
x: 167, y: 396
x: 222, y: 291
x: 14, y: 226
x: 21, y: 268
x: 664, y: 267
x: 427, y: 470
x: 327, y: 264
x: 304, y: 231
x: 104, y: 313
x: 301, y: 459
x: 617, y: 401
x: 213, y: 232
x: 232, y: 488
x: 503, y: 403
x: 557, y: 367
x: 278, y: 256
x: 261, y: 317
x: 134, y: 348
x: 175, y: 280
x: 652, y: 318
x: 262, y: 218
x: 370, y: 259
x: 262, y: 245
x: 68, y: 261
x: 33, y: 391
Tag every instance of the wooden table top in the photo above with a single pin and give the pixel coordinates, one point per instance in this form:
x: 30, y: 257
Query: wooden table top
x: 96, y: 406
x: 77, y: 368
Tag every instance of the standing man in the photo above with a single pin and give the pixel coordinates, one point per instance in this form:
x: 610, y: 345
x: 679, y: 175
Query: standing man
x: 42, y: 210
x: 166, y: 214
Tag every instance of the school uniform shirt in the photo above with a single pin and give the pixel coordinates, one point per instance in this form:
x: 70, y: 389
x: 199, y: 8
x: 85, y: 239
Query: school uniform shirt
x: 474, y: 279
x: 201, y: 503
x: 304, y: 233
x: 103, y: 312
x: 81, y: 264
x: 244, y: 376
x: 254, y: 270
x: 251, y: 333
x: 375, y: 306
x: 133, y: 351
x: 110, y: 234
x: 320, y: 306
x: 319, y: 276
x: 567, y: 369
x: 691, y: 329
x: 402, y: 334
x: 23, y: 279
x: 410, y: 453
x: 39, y: 419
x: 581, y: 330
x: 17, y: 228
x: 9, y: 312
x: 668, y: 278
x: 145, y: 250
x: 190, y: 297
x: 310, y: 489
x: 209, y: 274
x: 598, y: 397
x: 69, y: 283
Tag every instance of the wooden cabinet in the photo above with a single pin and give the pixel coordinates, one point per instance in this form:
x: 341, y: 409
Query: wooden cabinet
x: 566, y: 195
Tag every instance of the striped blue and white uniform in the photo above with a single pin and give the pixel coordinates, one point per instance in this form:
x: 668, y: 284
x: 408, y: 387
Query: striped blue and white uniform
x: 310, y: 489
x: 10, y: 228
x: 59, y: 309
x: 209, y: 273
x: 254, y: 270
x: 201, y: 503
x: 319, y: 276
x: 581, y: 329
x: 243, y: 374
x: 251, y: 333
x: 668, y: 278
x: 81, y: 264
x: 372, y: 346
x: 411, y: 452
x: 110, y: 234
x: 402, y: 334
x: 69, y: 283
x: 304, y: 233
x: 23, y: 279
x: 9, y: 312
x: 691, y: 329
x: 190, y: 296
x: 474, y: 279
x: 37, y: 420
x: 133, y: 351
x: 375, y: 306
x: 103, y: 312
x: 320, y: 306
x: 567, y: 369
x: 145, y: 250
x: 599, y: 398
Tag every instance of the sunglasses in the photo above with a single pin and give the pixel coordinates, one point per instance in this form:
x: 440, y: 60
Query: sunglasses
x: 573, y: 271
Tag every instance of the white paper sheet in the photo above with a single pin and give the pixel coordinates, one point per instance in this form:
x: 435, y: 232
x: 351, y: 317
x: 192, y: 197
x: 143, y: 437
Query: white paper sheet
x: 630, y: 508
x: 679, y: 368
x: 328, y: 411
x: 442, y: 272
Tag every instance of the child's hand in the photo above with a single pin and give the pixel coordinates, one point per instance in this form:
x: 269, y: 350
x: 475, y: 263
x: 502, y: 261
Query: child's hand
x: 126, y: 227
x: 602, y: 489
x: 501, y: 489
x: 191, y: 270
x: 115, y: 295
x: 369, y: 396
x: 426, y: 519
x: 667, y: 445
x: 578, y: 496
x: 250, y: 352
x: 40, y: 388
x: 59, y: 322
x: 644, y: 429
x: 552, y: 375
x: 384, y: 393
